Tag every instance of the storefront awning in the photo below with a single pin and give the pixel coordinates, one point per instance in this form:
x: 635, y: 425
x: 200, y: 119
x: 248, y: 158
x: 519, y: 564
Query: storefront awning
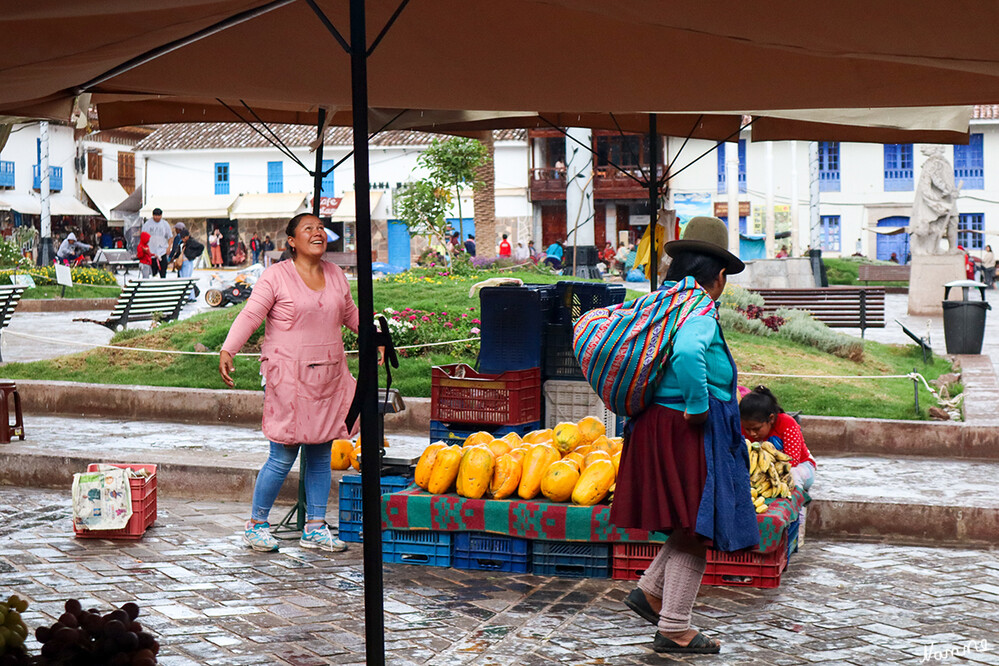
x: 29, y: 204
x: 196, y: 206
x: 345, y: 212
x: 269, y: 206
x: 105, y: 194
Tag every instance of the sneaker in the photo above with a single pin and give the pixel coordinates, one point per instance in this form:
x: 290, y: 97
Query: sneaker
x: 322, y: 539
x: 258, y: 537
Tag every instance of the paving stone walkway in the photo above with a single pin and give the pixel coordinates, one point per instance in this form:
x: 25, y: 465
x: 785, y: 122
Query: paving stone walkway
x: 213, y: 602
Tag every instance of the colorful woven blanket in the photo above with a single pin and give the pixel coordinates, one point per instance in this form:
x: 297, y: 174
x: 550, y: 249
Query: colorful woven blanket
x: 416, y: 509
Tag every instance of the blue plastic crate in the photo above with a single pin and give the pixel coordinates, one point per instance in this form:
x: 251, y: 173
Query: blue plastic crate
x: 351, y: 504
x: 512, y: 321
x: 792, y: 538
x: 575, y: 298
x: 491, y: 552
x: 456, y: 433
x: 417, y: 547
x: 570, y: 560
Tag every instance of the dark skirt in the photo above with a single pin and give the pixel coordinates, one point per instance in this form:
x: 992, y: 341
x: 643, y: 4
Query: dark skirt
x: 662, y: 473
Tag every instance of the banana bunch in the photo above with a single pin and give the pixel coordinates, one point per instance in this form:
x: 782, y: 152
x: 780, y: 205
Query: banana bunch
x: 769, y: 473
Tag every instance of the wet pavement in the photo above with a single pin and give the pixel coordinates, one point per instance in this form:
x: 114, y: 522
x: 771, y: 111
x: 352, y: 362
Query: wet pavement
x: 211, y: 601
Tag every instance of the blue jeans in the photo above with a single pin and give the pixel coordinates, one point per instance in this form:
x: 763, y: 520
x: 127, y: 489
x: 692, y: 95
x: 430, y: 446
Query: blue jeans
x: 275, y: 471
x: 186, y: 271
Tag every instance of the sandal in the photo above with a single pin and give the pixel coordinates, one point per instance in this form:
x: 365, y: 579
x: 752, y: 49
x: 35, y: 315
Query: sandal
x: 637, y: 602
x: 699, y: 644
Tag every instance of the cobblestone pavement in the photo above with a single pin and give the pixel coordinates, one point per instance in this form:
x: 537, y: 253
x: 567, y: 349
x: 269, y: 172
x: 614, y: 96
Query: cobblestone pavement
x: 213, y: 602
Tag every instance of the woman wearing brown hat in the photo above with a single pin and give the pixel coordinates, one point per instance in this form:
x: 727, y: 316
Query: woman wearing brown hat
x: 684, y: 469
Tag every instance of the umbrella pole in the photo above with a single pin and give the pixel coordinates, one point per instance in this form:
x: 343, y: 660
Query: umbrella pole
x: 374, y: 620
x: 653, y: 200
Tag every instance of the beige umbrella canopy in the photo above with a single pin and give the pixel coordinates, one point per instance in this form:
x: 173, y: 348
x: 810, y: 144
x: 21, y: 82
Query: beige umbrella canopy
x: 582, y: 55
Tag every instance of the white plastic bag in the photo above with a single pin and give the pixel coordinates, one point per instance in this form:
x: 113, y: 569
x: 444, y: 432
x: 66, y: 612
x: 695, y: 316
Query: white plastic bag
x: 102, y: 500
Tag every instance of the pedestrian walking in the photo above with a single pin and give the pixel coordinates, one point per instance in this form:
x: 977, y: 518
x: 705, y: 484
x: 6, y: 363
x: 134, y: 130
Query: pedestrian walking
x: 160, y: 234
x: 144, y: 255
x: 175, y: 246
x: 191, y: 251
x: 684, y: 466
x: 989, y: 267
x: 215, y: 247
x: 305, y: 302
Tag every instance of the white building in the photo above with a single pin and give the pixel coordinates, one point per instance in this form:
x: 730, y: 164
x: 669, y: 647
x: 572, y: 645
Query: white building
x: 864, y: 188
x: 228, y: 176
x: 89, y: 175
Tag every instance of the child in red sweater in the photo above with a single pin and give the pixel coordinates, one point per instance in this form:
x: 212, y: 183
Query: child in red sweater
x: 144, y: 256
x: 763, y: 419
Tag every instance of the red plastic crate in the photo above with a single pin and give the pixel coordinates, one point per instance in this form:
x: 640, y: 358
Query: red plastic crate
x: 761, y: 570
x: 630, y: 560
x: 459, y: 394
x: 143, y: 491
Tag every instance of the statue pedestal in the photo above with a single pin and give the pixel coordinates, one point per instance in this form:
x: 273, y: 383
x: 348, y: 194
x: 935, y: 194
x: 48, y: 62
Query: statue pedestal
x: 926, y: 282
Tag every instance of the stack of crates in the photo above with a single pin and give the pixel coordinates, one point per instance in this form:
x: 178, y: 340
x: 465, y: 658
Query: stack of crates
x: 567, y: 396
x: 351, y: 503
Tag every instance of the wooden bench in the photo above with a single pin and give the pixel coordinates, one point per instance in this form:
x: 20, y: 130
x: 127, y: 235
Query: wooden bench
x: 144, y: 300
x: 115, y: 260
x: 836, y: 307
x: 883, y: 273
x: 10, y: 296
x: 345, y: 260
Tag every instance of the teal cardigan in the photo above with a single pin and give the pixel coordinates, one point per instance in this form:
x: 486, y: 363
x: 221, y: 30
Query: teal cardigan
x: 698, y: 365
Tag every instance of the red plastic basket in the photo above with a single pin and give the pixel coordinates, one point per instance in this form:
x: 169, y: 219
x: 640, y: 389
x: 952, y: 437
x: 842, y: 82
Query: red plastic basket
x: 459, y: 394
x: 630, y: 560
x: 143, y: 491
x: 760, y: 570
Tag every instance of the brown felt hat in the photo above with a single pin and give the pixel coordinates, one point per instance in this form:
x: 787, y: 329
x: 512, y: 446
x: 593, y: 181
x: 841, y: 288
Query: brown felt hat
x: 707, y: 235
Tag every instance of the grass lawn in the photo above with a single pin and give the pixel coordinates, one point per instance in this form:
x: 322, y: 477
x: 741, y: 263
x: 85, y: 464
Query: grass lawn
x: 882, y: 399
x: 76, y: 291
x: 845, y: 271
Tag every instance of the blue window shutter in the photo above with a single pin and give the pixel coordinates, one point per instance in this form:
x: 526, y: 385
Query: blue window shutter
x: 969, y: 164
x: 898, y: 167
x: 722, y: 183
x: 221, y: 178
x: 742, y: 165
x: 967, y: 223
x: 829, y: 166
x: 327, y: 189
x: 275, y: 177
x: 830, y: 233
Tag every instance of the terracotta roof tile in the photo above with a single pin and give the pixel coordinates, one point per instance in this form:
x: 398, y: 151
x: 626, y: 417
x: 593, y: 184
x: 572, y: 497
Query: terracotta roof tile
x: 202, y: 136
x: 985, y: 112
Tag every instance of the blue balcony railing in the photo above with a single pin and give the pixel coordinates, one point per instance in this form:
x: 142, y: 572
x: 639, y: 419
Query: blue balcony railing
x: 6, y: 173
x: 55, y: 178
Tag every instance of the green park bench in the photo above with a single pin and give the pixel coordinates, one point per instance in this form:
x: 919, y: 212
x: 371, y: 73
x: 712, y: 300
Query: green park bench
x: 144, y: 300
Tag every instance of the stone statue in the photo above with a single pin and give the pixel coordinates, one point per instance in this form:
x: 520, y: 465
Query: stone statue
x: 934, y: 212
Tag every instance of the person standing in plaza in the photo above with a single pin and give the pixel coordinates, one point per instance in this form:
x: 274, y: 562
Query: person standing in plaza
x: 989, y: 267
x: 191, y: 251
x: 470, y: 245
x: 307, y: 387
x: 684, y: 468
x: 160, y: 234
x: 255, y: 247
x: 505, y: 250
x: 215, y: 247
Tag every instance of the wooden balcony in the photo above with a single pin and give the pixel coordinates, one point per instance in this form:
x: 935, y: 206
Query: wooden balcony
x: 548, y: 184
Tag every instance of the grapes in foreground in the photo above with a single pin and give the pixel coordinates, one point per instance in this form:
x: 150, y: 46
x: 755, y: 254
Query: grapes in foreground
x: 85, y: 637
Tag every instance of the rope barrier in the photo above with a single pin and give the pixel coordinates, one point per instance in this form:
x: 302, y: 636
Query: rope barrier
x: 912, y: 376
x: 178, y: 352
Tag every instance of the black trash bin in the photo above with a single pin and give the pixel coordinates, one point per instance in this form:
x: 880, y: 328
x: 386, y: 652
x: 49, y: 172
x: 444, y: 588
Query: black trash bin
x: 964, y: 320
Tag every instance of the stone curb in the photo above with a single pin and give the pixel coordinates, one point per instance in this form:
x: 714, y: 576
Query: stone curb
x: 66, y: 304
x: 200, y: 406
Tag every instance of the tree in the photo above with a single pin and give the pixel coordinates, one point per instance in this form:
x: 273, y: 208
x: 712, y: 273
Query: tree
x: 423, y: 208
x: 485, y: 200
x: 452, y: 164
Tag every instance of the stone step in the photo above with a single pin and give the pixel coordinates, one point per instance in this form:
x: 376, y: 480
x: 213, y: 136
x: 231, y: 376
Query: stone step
x: 905, y: 500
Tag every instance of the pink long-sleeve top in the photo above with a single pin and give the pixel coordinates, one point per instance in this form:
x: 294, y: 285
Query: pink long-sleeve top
x: 308, y: 388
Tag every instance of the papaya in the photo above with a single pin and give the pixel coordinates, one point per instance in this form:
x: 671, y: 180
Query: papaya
x: 355, y: 458
x: 426, y: 464
x: 617, y: 444
x: 506, y: 476
x: 616, y: 459
x: 475, y: 471
x: 583, y: 449
x: 340, y: 454
x: 574, y: 457
x: 536, y: 436
x: 590, y: 427
x: 512, y: 438
x: 567, y: 437
x: 445, y: 469
x: 499, y: 447
x: 518, y: 454
x: 592, y: 456
x: 594, y: 483
x: 536, y: 463
x: 601, y: 443
x: 481, y: 437
x: 559, y: 481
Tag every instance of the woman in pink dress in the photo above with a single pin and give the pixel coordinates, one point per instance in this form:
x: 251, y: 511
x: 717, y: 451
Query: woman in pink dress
x: 308, y: 389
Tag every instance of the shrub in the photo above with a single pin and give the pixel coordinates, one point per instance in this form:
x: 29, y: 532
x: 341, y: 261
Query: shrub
x: 800, y: 326
x: 738, y: 298
x: 10, y: 256
x: 416, y: 327
x: 731, y: 320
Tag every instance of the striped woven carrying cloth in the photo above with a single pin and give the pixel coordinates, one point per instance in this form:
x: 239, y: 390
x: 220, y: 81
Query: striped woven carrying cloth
x: 622, y: 348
